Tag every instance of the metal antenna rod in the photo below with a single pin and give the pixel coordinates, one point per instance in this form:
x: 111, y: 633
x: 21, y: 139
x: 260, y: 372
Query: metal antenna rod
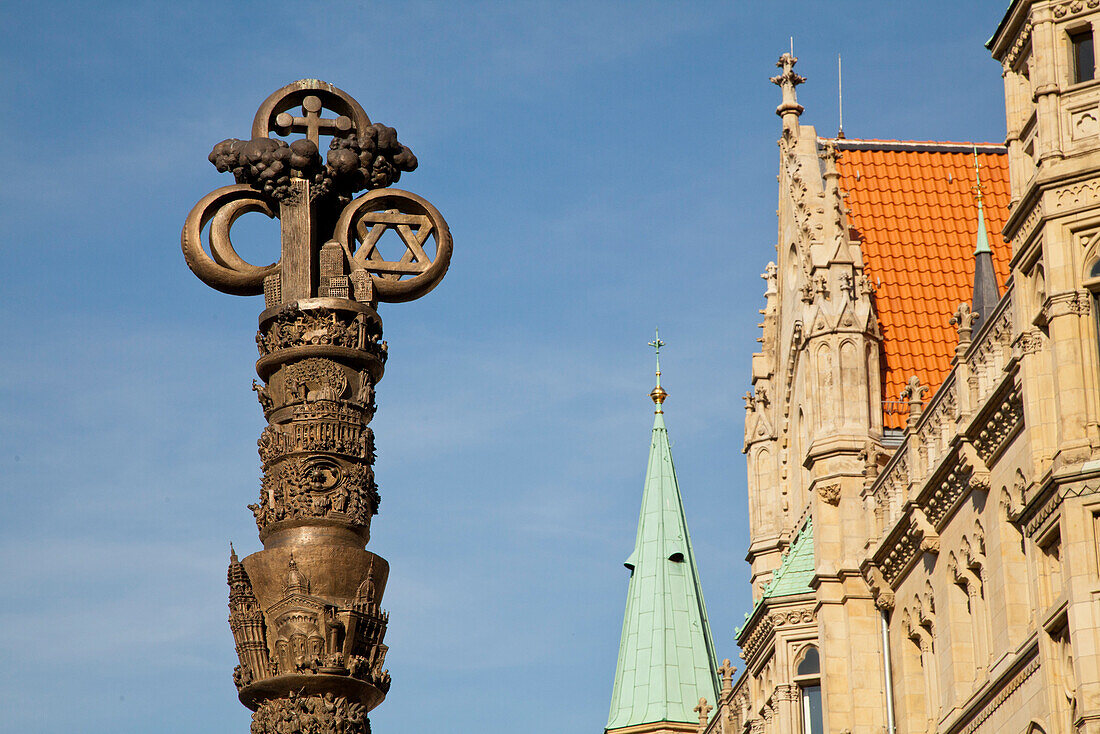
x: 840, y: 96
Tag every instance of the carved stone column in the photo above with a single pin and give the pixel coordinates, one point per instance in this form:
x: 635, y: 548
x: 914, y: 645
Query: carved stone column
x: 305, y: 611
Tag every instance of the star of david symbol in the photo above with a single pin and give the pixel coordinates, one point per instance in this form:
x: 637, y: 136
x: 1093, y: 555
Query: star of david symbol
x: 413, y: 229
x: 366, y: 220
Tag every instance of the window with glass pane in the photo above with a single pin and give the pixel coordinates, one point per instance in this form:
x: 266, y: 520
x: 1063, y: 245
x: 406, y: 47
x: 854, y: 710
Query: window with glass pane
x: 811, y: 710
x: 807, y: 673
x: 1084, y: 66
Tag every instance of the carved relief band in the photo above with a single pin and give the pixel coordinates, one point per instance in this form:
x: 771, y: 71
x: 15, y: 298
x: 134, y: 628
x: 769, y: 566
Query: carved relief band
x: 305, y: 611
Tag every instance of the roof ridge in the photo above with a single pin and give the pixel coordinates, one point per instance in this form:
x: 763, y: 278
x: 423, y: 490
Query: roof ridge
x: 915, y: 146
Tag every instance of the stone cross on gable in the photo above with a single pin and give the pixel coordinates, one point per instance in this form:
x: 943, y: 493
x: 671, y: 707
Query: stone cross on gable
x: 703, y: 709
x: 312, y: 124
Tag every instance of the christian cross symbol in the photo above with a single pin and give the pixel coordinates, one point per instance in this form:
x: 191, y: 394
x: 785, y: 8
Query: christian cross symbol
x: 312, y: 124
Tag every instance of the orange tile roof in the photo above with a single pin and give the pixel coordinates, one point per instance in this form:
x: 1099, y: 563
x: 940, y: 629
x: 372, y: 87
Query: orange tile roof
x: 912, y: 207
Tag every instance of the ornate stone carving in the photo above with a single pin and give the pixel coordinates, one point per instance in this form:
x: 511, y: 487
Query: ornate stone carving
x: 787, y: 81
x: 311, y: 380
x: 1018, y: 44
x: 247, y: 622
x: 293, y: 327
x: 1070, y: 8
x: 792, y: 616
x: 880, y: 590
x: 1075, y: 195
x: 311, y: 650
x: 829, y: 493
x: 327, y: 714
x: 1067, y: 303
x: 913, y: 393
x: 317, y: 487
x: 1003, y: 424
x: 1029, y: 342
x: 963, y: 320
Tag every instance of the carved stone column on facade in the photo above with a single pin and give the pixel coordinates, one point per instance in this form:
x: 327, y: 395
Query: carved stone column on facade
x: 1066, y: 315
x: 305, y: 611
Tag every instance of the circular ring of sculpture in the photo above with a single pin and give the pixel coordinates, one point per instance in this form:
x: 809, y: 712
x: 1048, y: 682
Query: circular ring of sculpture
x: 273, y: 117
x: 225, y: 271
x: 367, y: 218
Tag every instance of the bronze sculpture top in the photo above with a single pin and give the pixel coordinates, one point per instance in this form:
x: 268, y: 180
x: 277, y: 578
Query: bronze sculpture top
x: 305, y: 610
x: 313, y: 199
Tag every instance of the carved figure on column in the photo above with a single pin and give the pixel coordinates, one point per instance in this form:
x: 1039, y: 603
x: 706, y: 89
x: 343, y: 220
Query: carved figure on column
x: 305, y: 611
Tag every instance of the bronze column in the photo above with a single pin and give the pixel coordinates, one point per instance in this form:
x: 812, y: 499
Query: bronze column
x: 305, y: 611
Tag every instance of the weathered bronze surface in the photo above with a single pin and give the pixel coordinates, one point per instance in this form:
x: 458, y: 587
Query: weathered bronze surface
x: 305, y: 610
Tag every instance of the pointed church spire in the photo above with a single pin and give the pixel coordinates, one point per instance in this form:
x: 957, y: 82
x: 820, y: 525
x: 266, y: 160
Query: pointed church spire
x: 666, y: 652
x: 986, y: 294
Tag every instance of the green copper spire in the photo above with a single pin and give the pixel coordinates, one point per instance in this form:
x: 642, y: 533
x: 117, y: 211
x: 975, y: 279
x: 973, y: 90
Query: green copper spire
x: 666, y: 653
x: 982, y: 241
x: 986, y: 294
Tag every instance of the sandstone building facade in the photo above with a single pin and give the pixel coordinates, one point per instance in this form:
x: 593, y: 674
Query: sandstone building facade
x: 923, y: 430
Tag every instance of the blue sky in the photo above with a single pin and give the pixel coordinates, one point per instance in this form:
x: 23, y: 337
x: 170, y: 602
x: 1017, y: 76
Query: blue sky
x: 605, y: 167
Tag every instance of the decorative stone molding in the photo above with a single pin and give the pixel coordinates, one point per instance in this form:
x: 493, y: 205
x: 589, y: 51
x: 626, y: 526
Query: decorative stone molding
x: 1018, y: 44
x: 1076, y: 195
x: 1004, y: 422
x: 989, y: 353
x: 938, y: 424
x: 941, y: 496
x: 1037, y: 514
x: 787, y: 692
x: 999, y: 700
x: 1029, y: 342
x: 792, y: 616
x: 761, y: 632
x: 914, y: 392
x: 898, y: 551
x: 1070, y: 8
x: 925, y: 532
x: 1067, y: 303
x: 1028, y: 226
x: 892, y: 486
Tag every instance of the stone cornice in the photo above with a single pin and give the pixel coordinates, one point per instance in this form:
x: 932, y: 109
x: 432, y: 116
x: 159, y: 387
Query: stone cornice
x: 1047, y: 501
x: 999, y: 421
x: 996, y: 692
x: 1007, y: 29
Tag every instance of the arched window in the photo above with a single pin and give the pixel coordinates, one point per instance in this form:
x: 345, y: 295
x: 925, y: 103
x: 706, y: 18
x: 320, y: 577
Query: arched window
x: 807, y: 674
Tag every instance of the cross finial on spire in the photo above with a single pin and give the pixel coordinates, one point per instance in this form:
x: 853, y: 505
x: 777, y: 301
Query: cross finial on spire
x: 658, y: 394
x: 978, y: 188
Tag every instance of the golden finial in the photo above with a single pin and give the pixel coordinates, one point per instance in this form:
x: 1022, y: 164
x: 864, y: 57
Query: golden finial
x: 658, y: 393
x: 977, y: 188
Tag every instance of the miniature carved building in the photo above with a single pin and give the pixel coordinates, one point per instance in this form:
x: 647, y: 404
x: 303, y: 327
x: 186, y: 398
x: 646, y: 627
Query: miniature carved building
x: 923, y: 432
